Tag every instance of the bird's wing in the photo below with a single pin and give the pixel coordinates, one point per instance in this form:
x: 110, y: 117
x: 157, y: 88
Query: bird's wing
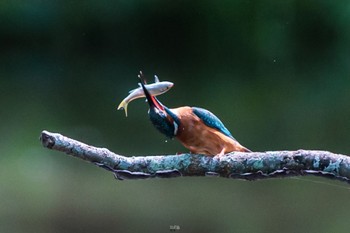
x: 211, y: 120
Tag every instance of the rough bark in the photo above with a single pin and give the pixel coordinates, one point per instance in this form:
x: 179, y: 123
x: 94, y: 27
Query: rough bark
x: 239, y: 165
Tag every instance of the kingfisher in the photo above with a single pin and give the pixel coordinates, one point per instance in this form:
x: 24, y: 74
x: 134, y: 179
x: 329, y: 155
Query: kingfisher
x: 196, y: 128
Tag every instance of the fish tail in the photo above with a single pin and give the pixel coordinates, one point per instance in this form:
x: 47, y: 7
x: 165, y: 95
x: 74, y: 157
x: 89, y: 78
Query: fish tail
x: 124, y: 105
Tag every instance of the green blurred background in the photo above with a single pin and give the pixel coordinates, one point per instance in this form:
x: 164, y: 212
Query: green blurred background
x: 276, y: 72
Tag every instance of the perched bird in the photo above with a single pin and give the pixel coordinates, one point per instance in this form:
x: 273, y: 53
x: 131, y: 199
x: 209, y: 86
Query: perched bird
x: 196, y: 128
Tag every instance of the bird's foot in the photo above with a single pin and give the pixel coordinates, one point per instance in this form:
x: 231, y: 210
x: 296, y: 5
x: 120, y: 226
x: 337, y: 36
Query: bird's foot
x: 221, y: 154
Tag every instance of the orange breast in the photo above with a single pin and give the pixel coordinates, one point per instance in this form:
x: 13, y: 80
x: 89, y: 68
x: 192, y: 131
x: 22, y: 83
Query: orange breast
x: 201, y: 139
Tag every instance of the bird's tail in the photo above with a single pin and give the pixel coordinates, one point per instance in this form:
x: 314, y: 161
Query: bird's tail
x: 124, y: 105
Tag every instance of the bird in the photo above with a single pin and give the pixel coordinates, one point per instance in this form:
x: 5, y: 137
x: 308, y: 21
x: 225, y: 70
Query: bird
x: 196, y: 128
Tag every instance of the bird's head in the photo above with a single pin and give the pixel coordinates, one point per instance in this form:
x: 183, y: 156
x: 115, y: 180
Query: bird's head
x: 161, y: 117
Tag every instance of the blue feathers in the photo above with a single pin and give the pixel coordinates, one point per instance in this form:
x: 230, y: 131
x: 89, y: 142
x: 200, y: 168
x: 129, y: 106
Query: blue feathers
x: 161, y: 123
x: 172, y: 115
x: 211, y: 120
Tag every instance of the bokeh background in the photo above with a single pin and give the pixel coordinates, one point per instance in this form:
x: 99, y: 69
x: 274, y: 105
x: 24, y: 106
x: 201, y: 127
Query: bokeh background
x: 275, y: 72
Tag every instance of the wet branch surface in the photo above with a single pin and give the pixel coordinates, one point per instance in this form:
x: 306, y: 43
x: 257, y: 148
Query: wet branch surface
x: 237, y: 165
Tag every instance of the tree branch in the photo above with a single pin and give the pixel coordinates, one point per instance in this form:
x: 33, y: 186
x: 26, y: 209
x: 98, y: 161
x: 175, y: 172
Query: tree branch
x: 248, y: 166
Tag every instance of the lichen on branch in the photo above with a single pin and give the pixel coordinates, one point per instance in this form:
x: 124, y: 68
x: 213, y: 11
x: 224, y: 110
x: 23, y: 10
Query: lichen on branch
x: 239, y: 165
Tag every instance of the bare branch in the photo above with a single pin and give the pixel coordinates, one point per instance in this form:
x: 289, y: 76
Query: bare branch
x: 248, y: 166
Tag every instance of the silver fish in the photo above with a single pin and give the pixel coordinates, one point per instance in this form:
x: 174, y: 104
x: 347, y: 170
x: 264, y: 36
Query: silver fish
x: 156, y: 88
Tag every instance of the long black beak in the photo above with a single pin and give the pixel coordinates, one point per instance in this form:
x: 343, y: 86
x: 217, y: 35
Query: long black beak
x: 152, y: 101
